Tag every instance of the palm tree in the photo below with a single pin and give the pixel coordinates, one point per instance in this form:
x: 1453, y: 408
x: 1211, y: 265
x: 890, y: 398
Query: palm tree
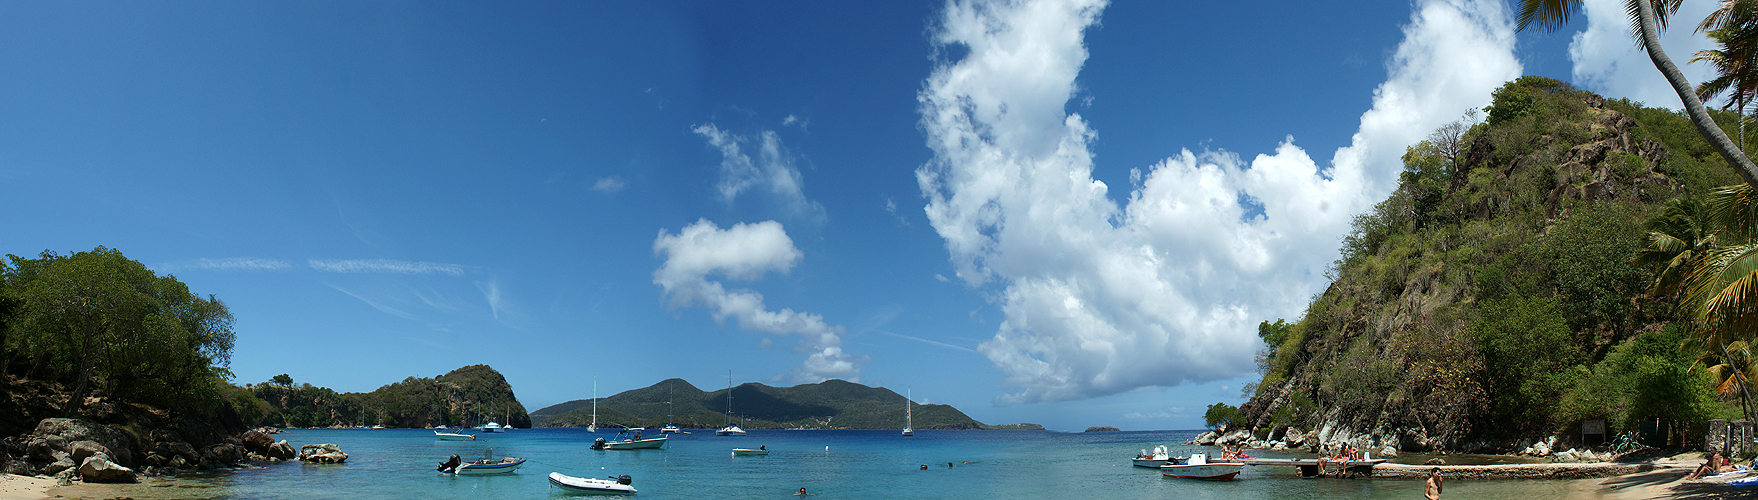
x: 1738, y: 67
x: 1733, y: 368
x: 1678, y: 238
x: 1647, y: 17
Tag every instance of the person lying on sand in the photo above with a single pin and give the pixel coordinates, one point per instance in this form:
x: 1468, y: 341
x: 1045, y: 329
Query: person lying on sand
x: 1713, y: 463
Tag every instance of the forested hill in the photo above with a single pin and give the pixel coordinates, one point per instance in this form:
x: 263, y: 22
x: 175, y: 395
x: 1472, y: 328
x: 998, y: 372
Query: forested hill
x: 832, y: 404
x: 467, y: 396
x: 1492, y: 299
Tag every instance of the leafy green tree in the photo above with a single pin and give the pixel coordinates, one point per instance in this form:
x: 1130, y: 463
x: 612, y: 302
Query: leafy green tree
x: 282, y: 380
x: 99, y: 318
x: 1647, y: 19
x: 1222, y: 416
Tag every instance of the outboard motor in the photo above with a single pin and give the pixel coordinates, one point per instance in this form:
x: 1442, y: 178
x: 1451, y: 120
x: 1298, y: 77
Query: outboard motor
x: 448, y: 464
x: 598, y: 444
x: 625, y: 480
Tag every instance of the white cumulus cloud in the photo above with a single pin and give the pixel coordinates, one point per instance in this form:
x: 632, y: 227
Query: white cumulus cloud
x: 1167, y: 288
x: 1607, y: 59
x: 745, y: 252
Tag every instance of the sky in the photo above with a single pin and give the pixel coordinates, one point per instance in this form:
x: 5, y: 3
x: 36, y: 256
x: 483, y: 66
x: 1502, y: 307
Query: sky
x: 1070, y: 212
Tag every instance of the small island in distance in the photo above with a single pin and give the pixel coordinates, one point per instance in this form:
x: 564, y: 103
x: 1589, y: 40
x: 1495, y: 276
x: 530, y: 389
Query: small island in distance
x: 831, y: 404
x: 1103, y: 428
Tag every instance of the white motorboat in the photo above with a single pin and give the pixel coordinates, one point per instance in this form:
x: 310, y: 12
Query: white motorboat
x: 492, y: 426
x: 740, y: 452
x: 453, y: 436
x: 1156, y: 459
x: 617, y: 484
x: 1198, y: 467
x: 730, y: 429
x: 669, y: 429
x: 484, y: 467
x: 909, y: 423
x: 633, y: 443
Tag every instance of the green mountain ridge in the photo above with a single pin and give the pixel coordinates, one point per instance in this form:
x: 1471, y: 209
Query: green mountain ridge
x: 468, y: 396
x: 831, y: 404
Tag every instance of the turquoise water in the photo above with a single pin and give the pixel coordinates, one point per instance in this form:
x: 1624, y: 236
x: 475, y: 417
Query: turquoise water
x: 399, y: 463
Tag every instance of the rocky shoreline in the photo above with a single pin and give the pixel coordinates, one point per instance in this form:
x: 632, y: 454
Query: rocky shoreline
x: 66, y: 450
x: 1321, y: 443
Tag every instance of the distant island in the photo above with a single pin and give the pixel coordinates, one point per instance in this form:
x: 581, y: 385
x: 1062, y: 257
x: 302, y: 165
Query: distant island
x: 831, y: 404
x: 1102, y: 428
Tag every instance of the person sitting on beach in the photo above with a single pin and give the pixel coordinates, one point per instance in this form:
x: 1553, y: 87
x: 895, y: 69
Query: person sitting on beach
x: 1711, y: 461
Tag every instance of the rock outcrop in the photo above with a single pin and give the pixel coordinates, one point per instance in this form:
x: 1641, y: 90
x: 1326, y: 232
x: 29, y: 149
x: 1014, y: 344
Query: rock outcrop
x: 322, y: 454
x: 97, y: 469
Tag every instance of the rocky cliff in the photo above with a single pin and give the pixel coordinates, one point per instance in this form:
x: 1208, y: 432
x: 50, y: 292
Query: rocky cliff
x: 1496, y: 280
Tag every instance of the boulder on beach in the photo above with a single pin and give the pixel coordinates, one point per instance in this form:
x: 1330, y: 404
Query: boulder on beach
x: 281, y: 451
x: 326, y: 453
x: 81, y: 450
x: 1205, y: 439
x: 1388, y: 452
x: 98, y: 470
x: 70, y: 430
x: 256, y: 441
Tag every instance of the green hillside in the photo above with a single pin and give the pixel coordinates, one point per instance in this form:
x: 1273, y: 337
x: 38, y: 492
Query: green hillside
x: 832, y: 404
x: 1491, y: 300
x: 467, y: 396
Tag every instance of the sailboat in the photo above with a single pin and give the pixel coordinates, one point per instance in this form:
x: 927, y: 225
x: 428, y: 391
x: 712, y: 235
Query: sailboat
x: 909, y: 423
x: 730, y: 429
x: 593, y: 427
x: 670, y: 428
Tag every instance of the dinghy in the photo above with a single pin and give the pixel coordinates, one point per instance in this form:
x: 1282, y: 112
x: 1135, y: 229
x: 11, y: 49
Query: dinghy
x: 617, y: 484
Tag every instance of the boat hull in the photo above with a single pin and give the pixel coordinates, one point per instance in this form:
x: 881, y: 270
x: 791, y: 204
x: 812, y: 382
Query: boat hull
x: 502, y: 466
x: 588, y: 485
x: 635, y: 444
x: 1207, y: 472
x: 449, y: 436
x: 1150, y: 462
x: 669, y: 430
x: 740, y: 452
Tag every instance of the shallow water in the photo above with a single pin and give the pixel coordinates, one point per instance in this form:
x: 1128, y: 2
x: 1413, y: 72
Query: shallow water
x: 399, y: 463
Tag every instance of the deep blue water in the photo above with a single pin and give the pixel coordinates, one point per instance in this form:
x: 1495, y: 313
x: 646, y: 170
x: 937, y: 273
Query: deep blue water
x: 399, y: 463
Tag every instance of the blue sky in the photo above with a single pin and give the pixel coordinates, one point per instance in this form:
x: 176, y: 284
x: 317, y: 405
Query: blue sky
x: 1031, y: 211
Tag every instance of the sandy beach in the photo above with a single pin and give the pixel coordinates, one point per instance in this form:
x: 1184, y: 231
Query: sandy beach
x: 24, y: 487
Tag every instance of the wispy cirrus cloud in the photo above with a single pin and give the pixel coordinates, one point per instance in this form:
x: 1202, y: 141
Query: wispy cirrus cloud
x: 770, y: 170
x: 609, y: 185
x: 385, y: 266
x: 232, y: 264
x: 380, y: 305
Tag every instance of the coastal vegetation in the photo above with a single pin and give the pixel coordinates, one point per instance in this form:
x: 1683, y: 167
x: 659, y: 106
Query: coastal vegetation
x: 468, y: 396
x: 82, y: 332
x: 1531, y: 272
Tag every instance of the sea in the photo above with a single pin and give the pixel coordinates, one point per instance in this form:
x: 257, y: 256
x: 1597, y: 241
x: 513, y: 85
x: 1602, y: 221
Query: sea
x: 400, y: 463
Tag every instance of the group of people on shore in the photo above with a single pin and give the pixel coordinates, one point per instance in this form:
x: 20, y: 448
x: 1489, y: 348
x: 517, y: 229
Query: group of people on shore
x: 1714, y: 462
x: 1344, y: 454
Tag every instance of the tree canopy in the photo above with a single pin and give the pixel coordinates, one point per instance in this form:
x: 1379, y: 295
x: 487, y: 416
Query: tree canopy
x: 105, y: 324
